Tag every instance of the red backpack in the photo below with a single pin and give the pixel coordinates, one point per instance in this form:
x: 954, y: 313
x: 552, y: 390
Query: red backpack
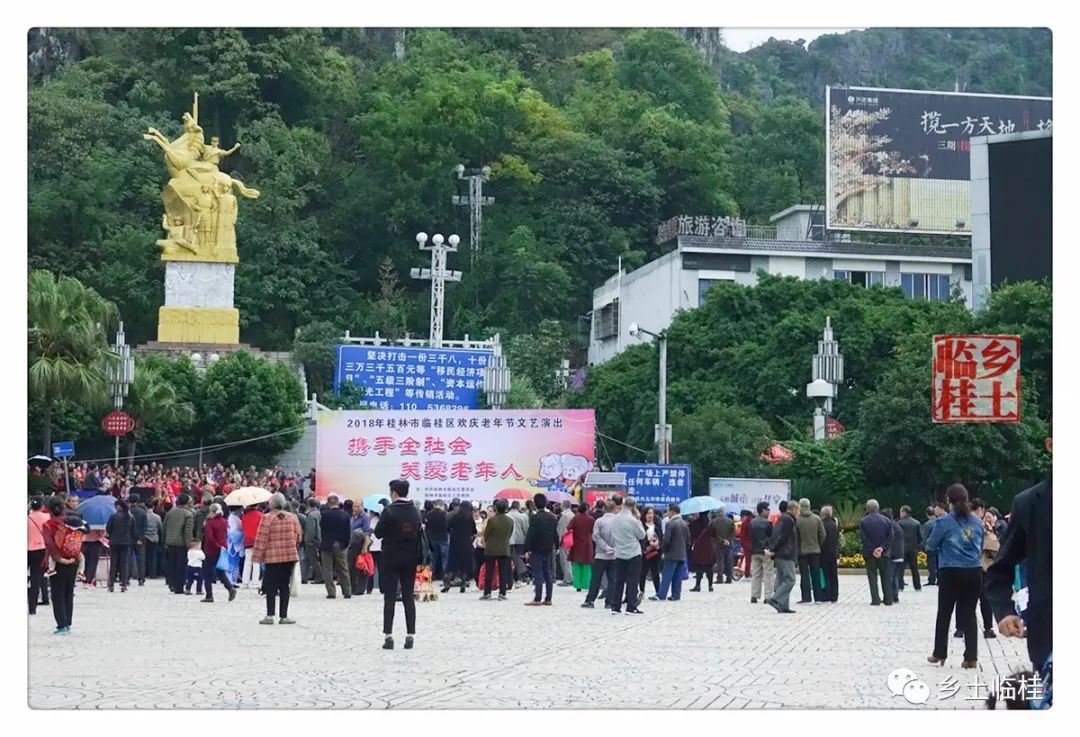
x: 69, y: 542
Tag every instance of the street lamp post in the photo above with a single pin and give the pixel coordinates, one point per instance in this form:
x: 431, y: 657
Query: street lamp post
x: 439, y: 275
x: 827, y: 367
x: 121, y: 377
x: 476, y: 201
x: 663, y: 430
x: 497, y: 378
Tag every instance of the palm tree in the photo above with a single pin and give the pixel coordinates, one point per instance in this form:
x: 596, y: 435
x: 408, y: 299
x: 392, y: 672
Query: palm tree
x: 67, y: 344
x: 150, y: 400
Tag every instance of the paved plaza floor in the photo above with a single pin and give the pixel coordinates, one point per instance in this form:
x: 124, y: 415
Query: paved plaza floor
x: 148, y: 649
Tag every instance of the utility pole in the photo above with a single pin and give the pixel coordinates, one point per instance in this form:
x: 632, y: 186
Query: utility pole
x: 122, y: 374
x: 827, y: 373
x: 475, y: 202
x: 439, y: 275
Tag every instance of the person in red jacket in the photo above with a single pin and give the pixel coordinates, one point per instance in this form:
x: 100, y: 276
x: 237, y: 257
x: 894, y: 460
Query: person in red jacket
x: 744, y: 540
x: 251, y: 519
x: 215, y: 543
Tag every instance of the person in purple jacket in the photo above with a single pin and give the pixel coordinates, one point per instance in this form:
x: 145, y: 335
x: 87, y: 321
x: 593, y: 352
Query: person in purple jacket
x: 875, y: 533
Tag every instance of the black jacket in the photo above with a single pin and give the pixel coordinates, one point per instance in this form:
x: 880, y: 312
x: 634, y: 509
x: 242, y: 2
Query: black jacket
x: 435, y: 526
x: 542, y: 535
x: 912, y: 534
x: 896, y: 546
x: 335, y: 526
x: 139, y: 517
x: 1028, y: 538
x: 830, y: 548
x: 783, y: 542
x: 760, y: 532
x: 399, y: 530
x: 121, y: 529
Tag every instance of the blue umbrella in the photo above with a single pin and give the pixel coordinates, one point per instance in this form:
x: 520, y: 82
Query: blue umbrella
x: 696, y: 504
x: 371, y: 502
x: 97, y: 510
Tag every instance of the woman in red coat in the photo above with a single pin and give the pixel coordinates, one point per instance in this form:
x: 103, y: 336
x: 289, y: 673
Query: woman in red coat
x: 744, y: 539
x: 703, y: 552
x: 581, y: 554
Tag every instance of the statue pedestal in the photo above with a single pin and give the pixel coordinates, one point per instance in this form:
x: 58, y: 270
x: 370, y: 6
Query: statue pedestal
x: 199, y: 304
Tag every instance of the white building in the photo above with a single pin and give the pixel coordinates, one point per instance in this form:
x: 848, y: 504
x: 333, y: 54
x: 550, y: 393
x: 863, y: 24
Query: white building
x: 710, y: 250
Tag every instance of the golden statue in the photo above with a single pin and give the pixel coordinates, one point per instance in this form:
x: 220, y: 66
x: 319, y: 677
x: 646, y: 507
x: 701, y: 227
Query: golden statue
x: 200, y: 209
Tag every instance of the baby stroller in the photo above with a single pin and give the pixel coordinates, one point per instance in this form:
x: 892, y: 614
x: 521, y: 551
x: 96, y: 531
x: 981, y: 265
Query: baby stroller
x: 425, y: 589
x: 739, y: 562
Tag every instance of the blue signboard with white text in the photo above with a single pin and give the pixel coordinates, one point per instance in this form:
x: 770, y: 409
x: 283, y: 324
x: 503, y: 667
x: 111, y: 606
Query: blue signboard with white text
x: 656, y: 485
x: 395, y: 377
x: 63, y: 449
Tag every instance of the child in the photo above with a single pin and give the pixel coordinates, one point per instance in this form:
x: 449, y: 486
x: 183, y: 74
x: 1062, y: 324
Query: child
x: 195, y: 558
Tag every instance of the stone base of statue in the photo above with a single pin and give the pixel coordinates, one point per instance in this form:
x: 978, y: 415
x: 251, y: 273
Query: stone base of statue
x: 199, y: 304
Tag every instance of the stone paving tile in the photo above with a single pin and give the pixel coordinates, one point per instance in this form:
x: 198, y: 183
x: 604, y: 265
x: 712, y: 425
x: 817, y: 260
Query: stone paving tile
x: 149, y: 649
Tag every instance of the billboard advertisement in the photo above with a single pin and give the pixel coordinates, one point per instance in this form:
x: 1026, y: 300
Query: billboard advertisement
x: 900, y: 160
x: 976, y: 378
x: 740, y: 494
x: 656, y: 485
x: 396, y: 377
x: 448, y: 454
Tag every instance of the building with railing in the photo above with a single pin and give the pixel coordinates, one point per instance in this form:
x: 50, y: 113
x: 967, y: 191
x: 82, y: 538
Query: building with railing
x: 706, y: 250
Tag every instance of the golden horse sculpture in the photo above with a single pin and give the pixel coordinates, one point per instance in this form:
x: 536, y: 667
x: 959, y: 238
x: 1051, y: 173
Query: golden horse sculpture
x: 200, y: 208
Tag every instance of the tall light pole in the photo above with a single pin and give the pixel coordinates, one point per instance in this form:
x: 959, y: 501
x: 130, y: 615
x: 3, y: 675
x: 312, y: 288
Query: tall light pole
x: 663, y: 430
x: 827, y: 373
x: 121, y: 377
x: 475, y: 202
x: 438, y: 275
x: 497, y: 378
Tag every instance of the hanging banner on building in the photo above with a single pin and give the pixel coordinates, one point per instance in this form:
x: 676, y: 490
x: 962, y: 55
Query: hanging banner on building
x: 900, y: 160
x: 448, y: 454
x: 396, y: 377
x: 976, y: 378
x: 740, y: 494
x: 656, y: 485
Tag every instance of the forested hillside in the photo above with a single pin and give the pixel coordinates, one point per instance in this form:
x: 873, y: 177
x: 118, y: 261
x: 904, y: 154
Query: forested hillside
x: 593, y: 136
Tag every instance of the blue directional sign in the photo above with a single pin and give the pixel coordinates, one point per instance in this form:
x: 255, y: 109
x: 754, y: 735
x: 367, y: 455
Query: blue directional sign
x: 657, y: 485
x: 63, y: 449
x: 395, y: 377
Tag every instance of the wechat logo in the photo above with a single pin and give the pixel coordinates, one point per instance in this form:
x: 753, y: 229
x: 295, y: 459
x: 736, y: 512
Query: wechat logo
x: 904, y: 682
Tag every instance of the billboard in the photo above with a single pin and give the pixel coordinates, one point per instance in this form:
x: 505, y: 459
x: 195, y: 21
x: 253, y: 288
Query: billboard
x: 900, y: 160
x: 447, y: 454
x: 740, y: 494
x: 976, y: 378
x: 396, y: 377
x: 656, y: 485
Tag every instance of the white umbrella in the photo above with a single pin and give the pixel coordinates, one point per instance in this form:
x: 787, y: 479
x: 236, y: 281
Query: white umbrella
x: 245, y: 496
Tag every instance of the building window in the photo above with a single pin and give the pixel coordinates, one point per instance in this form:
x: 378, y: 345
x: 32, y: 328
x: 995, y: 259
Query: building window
x: 926, y: 286
x: 861, y: 278
x: 703, y: 287
x: 606, y: 321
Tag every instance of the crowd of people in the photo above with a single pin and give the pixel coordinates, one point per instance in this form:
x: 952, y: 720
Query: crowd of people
x: 612, y: 550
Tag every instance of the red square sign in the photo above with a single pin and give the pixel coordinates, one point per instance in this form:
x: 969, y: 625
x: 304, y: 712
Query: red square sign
x: 976, y: 378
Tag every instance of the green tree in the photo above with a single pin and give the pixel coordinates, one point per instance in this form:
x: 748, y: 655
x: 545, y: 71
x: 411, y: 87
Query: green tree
x: 244, y: 398
x: 171, y: 427
x: 67, y: 347
x: 315, y: 348
x: 719, y: 440
x: 151, y: 400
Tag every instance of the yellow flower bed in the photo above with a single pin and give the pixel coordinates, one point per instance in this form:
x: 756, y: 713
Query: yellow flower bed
x: 857, y: 561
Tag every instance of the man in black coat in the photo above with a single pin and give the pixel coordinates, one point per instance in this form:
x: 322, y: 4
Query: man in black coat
x: 761, y: 565
x: 138, y: 514
x: 399, y: 528
x: 912, y: 532
x: 1028, y: 539
x: 438, y: 539
x: 540, y: 542
x: 334, y: 526
x: 875, y: 532
x: 783, y: 548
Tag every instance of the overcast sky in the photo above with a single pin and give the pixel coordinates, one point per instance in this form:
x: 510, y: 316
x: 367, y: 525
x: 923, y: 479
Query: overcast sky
x: 743, y: 39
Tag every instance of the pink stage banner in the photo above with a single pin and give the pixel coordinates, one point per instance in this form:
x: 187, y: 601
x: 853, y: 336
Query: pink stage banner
x: 447, y: 454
